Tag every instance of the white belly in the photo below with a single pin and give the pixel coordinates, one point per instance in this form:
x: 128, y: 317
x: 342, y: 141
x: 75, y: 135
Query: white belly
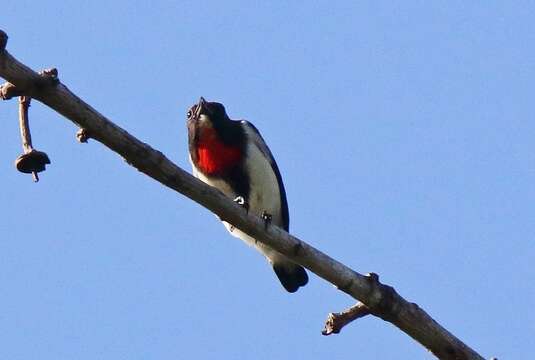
x: 264, y: 195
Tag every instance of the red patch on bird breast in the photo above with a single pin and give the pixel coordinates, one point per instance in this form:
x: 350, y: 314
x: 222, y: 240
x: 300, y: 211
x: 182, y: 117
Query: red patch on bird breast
x: 213, y: 156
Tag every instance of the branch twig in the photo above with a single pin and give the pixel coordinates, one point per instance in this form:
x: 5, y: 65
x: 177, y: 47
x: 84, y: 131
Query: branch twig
x: 336, y: 321
x: 381, y: 300
x: 31, y: 161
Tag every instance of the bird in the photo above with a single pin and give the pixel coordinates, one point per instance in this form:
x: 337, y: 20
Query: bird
x: 232, y: 156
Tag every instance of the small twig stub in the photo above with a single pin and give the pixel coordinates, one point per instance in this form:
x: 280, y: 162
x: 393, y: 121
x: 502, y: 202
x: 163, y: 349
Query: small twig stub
x: 82, y: 135
x: 336, y: 321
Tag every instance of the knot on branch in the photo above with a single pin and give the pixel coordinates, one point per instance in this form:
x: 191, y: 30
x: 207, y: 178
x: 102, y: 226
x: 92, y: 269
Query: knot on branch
x: 51, y: 73
x: 47, y: 78
x: 82, y: 135
x: 387, y: 307
x: 383, y: 299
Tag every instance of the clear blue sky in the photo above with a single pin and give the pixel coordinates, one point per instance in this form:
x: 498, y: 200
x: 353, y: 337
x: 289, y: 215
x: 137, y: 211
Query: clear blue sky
x: 404, y: 132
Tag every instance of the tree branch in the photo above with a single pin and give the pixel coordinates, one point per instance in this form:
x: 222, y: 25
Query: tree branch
x: 381, y: 300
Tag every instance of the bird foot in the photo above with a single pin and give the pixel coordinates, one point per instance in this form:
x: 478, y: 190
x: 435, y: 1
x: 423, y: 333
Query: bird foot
x: 267, y: 218
x: 240, y: 200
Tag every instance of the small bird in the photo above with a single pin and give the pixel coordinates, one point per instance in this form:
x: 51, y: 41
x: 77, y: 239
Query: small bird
x: 232, y: 156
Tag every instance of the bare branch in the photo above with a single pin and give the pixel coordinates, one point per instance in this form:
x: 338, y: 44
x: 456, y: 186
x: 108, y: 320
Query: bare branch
x: 336, y: 321
x: 381, y: 300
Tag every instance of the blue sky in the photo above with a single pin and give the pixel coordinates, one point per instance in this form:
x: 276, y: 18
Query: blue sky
x: 403, y: 130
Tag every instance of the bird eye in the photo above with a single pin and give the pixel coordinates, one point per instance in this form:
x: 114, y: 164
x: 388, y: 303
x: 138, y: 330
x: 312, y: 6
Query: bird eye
x: 189, y: 114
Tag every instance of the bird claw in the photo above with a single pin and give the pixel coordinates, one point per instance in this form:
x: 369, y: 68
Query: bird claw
x: 267, y: 218
x: 240, y: 200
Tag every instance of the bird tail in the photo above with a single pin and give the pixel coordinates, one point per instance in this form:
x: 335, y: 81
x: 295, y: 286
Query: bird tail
x: 291, y: 275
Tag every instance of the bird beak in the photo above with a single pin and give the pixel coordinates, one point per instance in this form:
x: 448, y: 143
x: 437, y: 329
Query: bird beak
x: 200, y: 106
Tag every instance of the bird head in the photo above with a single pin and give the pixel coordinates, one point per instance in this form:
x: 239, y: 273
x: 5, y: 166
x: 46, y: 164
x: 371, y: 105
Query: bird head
x: 206, y: 113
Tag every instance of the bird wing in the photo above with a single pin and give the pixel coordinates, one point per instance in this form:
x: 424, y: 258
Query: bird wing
x: 262, y: 146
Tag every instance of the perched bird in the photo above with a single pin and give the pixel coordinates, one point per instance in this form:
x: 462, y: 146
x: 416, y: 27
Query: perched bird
x: 232, y: 156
